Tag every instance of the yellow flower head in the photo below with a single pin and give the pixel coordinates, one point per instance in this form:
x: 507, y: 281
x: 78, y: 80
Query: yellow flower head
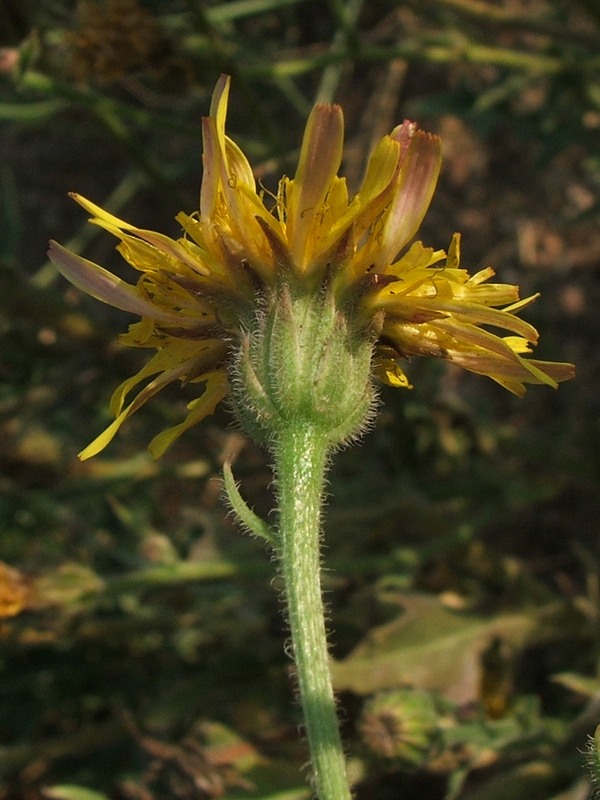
x: 197, y: 295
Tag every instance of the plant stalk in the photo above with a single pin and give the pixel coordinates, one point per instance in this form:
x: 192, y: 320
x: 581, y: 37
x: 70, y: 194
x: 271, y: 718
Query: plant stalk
x: 301, y: 454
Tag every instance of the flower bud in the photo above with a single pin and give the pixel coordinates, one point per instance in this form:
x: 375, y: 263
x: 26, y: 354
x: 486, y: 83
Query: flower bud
x: 302, y: 360
x: 400, y: 725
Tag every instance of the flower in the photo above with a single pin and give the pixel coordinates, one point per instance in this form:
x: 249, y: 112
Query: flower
x: 197, y: 295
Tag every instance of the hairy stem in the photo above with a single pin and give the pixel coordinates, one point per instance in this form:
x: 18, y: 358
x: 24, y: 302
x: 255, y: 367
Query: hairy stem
x: 300, y: 461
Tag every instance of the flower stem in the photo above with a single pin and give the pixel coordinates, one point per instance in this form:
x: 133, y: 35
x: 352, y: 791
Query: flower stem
x: 301, y: 454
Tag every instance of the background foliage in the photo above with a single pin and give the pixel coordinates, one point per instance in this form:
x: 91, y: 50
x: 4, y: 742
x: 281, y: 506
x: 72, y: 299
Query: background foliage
x: 141, y: 644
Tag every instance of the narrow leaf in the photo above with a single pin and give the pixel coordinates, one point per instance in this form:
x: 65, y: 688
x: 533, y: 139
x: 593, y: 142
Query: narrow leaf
x: 246, y: 516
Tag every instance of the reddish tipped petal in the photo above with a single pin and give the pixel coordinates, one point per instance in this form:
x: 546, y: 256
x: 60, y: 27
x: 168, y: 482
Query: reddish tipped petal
x: 403, y: 134
x: 558, y: 371
x: 416, y: 184
x: 321, y: 154
x: 103, y: 285
x: 320, y: 158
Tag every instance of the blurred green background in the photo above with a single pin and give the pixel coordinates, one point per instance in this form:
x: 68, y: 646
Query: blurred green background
x: 141, y: 639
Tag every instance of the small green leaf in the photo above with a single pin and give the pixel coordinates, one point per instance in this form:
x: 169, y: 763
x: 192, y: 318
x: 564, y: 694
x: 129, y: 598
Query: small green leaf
x: 246, y: 516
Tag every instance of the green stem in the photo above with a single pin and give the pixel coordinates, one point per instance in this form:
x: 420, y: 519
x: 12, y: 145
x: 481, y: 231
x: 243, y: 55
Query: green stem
x: 300, y: 460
